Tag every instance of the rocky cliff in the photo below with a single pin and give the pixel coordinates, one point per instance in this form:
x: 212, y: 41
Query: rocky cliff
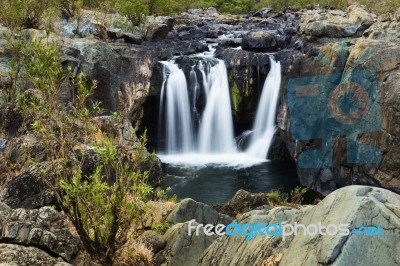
x: 358, y: 47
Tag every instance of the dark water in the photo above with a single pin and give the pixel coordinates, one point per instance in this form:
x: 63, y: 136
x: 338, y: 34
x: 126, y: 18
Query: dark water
x: 213, y: 185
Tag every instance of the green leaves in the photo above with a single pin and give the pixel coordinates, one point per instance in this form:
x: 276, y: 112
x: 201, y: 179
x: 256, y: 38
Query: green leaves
x: 25, y: 13
x: 104, y: 204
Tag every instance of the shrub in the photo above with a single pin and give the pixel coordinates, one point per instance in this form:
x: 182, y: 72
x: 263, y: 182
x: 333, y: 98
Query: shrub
x: 276, y: 198
x: 104, y: 205
x: 294, y: 198
x: 135, y: 10
x: 25, y: 13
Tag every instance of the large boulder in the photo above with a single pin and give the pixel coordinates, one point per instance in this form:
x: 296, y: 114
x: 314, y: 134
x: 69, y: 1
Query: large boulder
x: 182, y: 248
x: 335, y: 23
x: 189, y: 209
x: 260, y: 41
x: 356, y: 206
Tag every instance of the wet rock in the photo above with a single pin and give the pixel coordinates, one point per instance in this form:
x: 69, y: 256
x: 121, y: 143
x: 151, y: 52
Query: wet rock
x: 115, y: 34
x: 262, y: 13
x: 259, y: 41
x: 194, y: 33
x: 132, y: 38
x: 231, y: 42
x: 160, y: 33
x: 247, y: 71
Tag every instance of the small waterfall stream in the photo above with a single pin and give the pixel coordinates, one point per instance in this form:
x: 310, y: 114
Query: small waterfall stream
x: 211, y: 139
x: 264, y: 125
x: 179, y: 133
x: 216, y: 129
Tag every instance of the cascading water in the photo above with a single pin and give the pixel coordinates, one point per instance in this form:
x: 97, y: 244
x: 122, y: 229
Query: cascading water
x: 211, y: 138
x: 216, y: 130
x: 264, y: 125
x: 179, y: 132
x: 216, y: 126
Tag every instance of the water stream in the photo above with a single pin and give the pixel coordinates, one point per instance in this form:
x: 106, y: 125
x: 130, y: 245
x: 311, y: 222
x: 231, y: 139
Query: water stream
x: 200, y: 142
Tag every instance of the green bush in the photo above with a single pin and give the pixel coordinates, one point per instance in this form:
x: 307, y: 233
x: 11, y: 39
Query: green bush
x: 105, y: 204
x: 376, y: 6
x: 135, y: 10
x: 102, y: 204
x: 25, y: 13
x: 294, y: 198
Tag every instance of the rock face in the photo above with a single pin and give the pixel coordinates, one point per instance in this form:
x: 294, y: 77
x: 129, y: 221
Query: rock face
x: 242, y: 202
x: 28, y: 190
x: 370, y: 58
x: 11, y: 254
x: 42, y: 228
x: 354, y: 205
x: 336, y: 24
x: 182, y: 248
x: 189, y: 209
x: 260, y: 40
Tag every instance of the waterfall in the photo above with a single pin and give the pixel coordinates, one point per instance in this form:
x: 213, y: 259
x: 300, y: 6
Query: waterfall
x: 216, y: 126
x: 264, y: 125
x: 206, y: 78
x: 194, y: 87
x: 198, y: 120
x: 216, y: 129
x: 179, y: 130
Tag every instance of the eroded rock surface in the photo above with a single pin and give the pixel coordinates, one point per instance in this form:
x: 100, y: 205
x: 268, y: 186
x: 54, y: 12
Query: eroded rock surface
x: 356, y: 206
x: 42, y: 228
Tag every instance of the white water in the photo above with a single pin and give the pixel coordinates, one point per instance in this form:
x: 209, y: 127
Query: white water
x: 216, y: 143
x: 179, y: 131
x: 264, y: 125
x: 216, y: 128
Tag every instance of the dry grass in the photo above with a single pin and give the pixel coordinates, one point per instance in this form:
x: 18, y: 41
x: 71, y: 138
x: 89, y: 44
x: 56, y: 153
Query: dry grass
x: 134, y: 253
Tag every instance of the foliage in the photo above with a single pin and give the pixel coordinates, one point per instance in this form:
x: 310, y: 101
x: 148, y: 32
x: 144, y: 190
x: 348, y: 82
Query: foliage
x: 104, y: 205
x: 25, y: 13
x: 297, y: 195
x: 15, y: 46
x: 278, y: 198
x: 161, y: 227
x: 135, y: 10
x: 43, y: 67
x: 379, y: 7
x: 104, y: 202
